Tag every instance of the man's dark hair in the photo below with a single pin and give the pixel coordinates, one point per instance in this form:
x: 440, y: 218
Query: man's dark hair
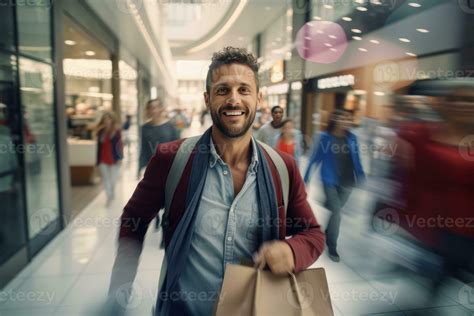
x: 274, y: 108
x: 231, y: 55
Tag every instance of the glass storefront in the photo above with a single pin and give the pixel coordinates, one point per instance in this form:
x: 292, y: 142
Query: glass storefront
x: 30, y: 213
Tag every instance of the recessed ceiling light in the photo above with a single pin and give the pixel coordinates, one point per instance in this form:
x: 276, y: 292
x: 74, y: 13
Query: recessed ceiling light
x: 356, y: 31
x: 362, y: 9
x: 307, y: 37
x: 328, y: 6
x: 423, y: 30
x: 374, y: 42
x: 70, y: 42
x: 333, y: 36
x: 320, y: 31
x: 411, y: 54
x: 403, y: 39
x: 347, y: 19
x: 318, y: 18
x: 357, y: 38
x: 333, y: 49
x: 90, y: 53
x: 414, y: 5
x: 379, y: 93
x: 363, y: 50
x: 327, y: 44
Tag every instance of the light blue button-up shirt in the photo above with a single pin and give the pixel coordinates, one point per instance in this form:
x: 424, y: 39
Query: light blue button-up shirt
x: 225, y: 231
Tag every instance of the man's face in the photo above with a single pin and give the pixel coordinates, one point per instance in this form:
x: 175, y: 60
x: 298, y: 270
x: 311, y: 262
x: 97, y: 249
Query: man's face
x: 277, y: 115
x: 233, y: 99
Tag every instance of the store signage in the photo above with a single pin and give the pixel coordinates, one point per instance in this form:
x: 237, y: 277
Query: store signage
x: 336, y: 82
x: 277, y: 73
x: 281, y: 88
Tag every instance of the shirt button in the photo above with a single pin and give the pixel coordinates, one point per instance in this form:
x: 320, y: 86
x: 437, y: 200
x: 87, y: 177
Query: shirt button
x: 229, y: 238
x: 225, y: 172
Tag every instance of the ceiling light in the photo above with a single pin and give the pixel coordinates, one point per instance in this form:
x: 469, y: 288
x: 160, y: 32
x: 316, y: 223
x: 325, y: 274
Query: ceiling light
x: 363, y: 50
x: 289, y: 28
x: 347, y: 19
x: 328, y: 6
x: 379, y: 93
x: 333, y: 49
x: 333, y: 36
x: 320, y: 31
x: 405, y: 40
x: 289, y: 12
x: 423, y: 30
x: 327, y: 45
x: 307, y: 37
x: 374, y: 42
x: 318, y: 18
x: 357, y: 38
x: 90, y: 53
x: 69, y: 42
x: 411, y: 54
x: 362, y: 9
x: 356, y: 31
x: 414, y: 5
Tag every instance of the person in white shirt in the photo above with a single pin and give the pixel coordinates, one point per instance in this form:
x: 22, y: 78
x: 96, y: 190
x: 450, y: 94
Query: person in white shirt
x: 269, y: 131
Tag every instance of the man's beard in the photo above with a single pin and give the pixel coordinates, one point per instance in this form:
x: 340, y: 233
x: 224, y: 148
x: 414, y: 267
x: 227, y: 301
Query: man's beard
x: 232, y: 133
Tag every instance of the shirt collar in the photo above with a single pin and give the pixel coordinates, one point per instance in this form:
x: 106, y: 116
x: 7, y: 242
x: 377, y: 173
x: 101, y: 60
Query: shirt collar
x: 214, y: 157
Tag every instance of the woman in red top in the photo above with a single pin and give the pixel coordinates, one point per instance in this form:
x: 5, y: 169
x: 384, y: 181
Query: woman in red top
x: 109, y: 152
x: 289, y: 140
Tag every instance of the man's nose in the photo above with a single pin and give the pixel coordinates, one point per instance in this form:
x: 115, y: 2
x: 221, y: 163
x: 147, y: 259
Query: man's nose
x: 234, y: 98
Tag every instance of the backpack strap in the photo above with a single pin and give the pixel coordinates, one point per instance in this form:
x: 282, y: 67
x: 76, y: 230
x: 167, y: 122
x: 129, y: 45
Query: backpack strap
x: 282, y: 171
x: 177, y: 168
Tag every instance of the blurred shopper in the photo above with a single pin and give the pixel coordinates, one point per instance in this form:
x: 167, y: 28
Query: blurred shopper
x: 270, y: 130
x: 109, y: 152
x: 341, y: 169
x: 225, y: 205
x: 181, y: 120
x: 436, y: 165
x: 289, y: 140
x: 126, y: 133
x: 157, y: 129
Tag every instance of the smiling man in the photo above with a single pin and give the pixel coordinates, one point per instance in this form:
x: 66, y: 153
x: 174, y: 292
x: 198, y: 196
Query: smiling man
x: 228, y: 204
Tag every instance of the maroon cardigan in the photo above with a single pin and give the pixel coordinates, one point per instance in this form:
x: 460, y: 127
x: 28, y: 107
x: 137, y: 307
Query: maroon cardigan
x: 306, y: 241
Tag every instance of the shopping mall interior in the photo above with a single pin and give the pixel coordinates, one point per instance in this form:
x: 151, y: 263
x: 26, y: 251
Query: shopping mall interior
x: 86, y: 84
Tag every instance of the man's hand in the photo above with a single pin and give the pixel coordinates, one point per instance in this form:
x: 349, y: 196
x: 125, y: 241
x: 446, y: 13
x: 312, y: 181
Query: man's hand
x: 278, y: 255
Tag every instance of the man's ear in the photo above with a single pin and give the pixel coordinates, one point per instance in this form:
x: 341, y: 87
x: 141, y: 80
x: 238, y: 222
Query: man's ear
x: 206, y: 100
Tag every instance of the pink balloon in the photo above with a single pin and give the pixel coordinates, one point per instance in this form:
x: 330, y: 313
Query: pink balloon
x: 321, y: 42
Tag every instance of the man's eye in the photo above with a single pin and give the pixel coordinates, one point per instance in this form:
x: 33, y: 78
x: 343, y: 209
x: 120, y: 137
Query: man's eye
x: 221, y: 91
x: 245, y: 90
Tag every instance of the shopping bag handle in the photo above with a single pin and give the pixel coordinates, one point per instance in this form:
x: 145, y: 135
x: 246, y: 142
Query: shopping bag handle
x: 294, y: 286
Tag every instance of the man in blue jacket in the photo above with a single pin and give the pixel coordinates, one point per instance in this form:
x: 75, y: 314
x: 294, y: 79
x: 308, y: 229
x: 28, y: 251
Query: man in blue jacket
x: 341, y: 170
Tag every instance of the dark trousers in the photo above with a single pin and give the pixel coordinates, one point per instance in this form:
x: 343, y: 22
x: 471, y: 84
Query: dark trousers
x: 336, y: 198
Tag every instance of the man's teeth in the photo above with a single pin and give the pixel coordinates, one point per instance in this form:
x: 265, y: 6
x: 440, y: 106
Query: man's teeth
x: 233, y: 113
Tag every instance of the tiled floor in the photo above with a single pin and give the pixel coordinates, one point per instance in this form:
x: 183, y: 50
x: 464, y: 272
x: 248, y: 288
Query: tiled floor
x: 71, y: 275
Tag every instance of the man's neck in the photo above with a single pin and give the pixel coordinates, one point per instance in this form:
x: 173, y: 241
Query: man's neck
x: 158, y: 120
x: 232, y: 150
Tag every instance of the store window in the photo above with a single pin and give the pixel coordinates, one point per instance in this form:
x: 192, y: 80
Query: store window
x: 39, y: 150
x: 6, y: 25
x: 12, y: 228
x: 34, y: 28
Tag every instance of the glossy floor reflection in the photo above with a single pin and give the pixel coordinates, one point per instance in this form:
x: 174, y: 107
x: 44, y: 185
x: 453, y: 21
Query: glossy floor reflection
x: 71, y: 275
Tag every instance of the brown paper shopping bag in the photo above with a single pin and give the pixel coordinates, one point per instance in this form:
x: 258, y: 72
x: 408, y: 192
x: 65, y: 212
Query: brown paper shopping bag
x: 248, y: 291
